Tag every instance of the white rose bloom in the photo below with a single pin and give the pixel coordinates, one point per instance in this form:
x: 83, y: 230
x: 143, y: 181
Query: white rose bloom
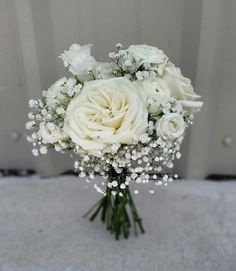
x: 179, y: 87
x: 148, y: 54
x: 51, y: 133
x: 170, y: 126
x: 79, y: 61
x: 153, y: 89
x: 106, y: 112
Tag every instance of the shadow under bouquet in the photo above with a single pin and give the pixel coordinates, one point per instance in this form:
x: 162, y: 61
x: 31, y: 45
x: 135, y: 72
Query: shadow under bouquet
x: 124, y: 119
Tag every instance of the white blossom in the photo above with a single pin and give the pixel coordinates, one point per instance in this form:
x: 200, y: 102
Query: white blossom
x: 29, y: 125
x: 79, y: 61
x: 32, y: 103
x: 35, y: 152
x: 43, y: 150
x: 60, y: 110
x: 122, y: 186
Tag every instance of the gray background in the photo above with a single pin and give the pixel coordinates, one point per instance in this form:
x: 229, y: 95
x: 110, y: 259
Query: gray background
x: 198, y: 36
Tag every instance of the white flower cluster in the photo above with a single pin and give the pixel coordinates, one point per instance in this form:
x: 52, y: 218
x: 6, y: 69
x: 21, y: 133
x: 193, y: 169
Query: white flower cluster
x: 130, y: 114
x: 47, y: 117
x: 138, y: 62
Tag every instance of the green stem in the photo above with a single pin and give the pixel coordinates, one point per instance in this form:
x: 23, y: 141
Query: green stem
x: 92, y: 208
x: 135, y: 212
x: 117, y: 211
x: 97, y: 210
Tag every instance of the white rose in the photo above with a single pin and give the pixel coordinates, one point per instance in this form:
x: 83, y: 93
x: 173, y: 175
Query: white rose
x: 179, y: 86
x: 79, y: 60
x: 170, y: 126
x: 51, y: 133
x: 148, y: 54
x: 155, y: 93
x: 106, y: 112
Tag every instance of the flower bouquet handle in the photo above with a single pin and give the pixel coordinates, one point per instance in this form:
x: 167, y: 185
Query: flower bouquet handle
x: 117, y: 208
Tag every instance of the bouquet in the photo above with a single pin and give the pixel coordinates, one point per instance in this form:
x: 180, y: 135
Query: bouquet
x: 124, y: 119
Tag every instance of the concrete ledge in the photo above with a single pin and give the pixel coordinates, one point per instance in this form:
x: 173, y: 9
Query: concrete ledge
x: 190, y: 226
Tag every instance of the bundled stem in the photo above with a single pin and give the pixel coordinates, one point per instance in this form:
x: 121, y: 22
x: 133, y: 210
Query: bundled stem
x: 117, y: 211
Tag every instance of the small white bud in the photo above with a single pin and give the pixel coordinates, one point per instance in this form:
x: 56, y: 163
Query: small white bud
x: 57, y: 148
x: 112, y: 55
x: 43, y: 150
x: 113, y: 193
x: 122, y: 186
x: 114, y: 183
x: 128, y: 63
x: 178, y: 155
x: 35, y: 152
x: 119, y: 46
x: 29, y: 125
x: 32, y: 103
x: 60, y: 110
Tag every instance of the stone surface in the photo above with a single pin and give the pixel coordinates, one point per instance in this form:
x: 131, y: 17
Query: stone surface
x: 191, y: 225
